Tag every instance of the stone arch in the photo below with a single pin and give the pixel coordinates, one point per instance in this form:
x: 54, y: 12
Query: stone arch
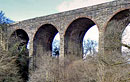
x: 113, y: 32
x: 42, y: 43
x: 74, y: 36
x: 18, y: 45
x: 18, y: 35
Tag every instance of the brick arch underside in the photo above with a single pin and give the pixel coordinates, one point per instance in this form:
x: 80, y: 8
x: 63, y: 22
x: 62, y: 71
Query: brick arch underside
x: 74, y: 36
x: 42, y: 44
x: 18, y: 41
x: 113, y: 32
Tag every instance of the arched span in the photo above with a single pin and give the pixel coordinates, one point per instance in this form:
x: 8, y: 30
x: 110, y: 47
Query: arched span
x: 20, y: 37
x: 42, y: 43
x: 113, y: 32
x: 74, y: 36
x: 18, y: 46
x: 126, y: 41
x: 118, y: 11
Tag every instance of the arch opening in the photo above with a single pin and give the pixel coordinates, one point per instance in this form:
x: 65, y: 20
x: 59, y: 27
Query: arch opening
x: 126, y: 43
x: 56, y: 45
x: 19, y: 36
x: 42, y: 43
x: 74, y: 37
x: 18, y: 45
x: 90, y: 42
x: 43, y: 52
x: 113, y: 36
x: 43, y: 40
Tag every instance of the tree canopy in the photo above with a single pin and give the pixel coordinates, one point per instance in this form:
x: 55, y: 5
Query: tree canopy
x: 4, y: 19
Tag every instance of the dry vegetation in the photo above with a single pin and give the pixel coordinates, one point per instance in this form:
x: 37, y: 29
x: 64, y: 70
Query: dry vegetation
x: 8, y: 68
x: 12, y: 60
x: 46, y: 71
x: 92, y: 69
x: 96, y: 68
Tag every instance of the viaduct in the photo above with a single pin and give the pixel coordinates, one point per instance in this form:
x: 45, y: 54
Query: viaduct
x: 111, y: 19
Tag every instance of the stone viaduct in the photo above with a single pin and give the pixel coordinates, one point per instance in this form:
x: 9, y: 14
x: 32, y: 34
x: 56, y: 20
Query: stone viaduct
x: 111, y: 19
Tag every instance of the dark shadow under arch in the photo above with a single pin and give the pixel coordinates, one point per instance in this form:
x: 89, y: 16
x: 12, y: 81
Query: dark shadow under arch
x: 113, y: 32
x: 19, y: 36
x: 18, y: 45
x: 74, y: 36
x: 42, y: 43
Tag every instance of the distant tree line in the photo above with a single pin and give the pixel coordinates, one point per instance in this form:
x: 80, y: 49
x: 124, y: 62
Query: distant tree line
x: 89, y: 47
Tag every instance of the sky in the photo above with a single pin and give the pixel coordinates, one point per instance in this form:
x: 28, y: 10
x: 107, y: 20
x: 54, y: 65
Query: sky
x: 19, y: 10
